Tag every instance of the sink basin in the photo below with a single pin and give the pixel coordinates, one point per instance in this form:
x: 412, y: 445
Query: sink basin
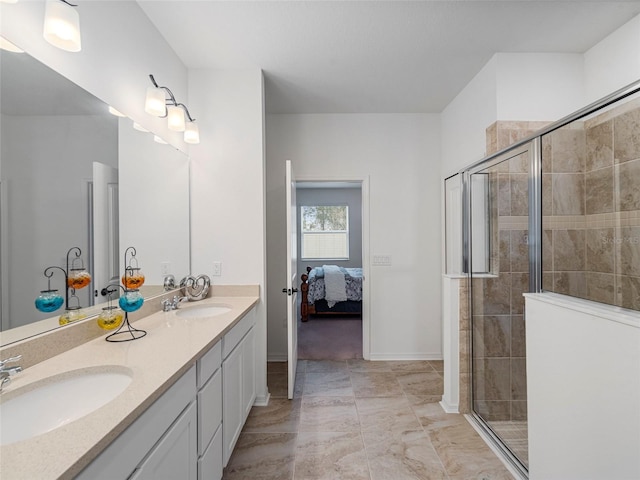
x: 202, y: 311
x: 54, y: 402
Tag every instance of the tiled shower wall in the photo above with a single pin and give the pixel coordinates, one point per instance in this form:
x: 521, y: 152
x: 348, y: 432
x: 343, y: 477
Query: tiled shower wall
x: 591, y: 208
x: 499, y: 355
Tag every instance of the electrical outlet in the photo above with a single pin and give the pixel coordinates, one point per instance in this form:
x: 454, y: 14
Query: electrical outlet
x: 165, y: 268
x: 217, y: 269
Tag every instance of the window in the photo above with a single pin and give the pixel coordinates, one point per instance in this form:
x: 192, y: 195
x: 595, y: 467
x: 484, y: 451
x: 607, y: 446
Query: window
x: 325, y: 232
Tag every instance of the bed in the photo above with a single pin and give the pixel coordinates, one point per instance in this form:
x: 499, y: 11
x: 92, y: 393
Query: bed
x: 331, y: 290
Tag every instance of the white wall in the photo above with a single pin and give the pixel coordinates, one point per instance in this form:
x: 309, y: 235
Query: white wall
x: 120, y: 48
x: 539, y: 86
x: 399, y: 154
x: 227, y: 185
x: 614, y: 62
x: 583, y: 382
x: 466, y: 118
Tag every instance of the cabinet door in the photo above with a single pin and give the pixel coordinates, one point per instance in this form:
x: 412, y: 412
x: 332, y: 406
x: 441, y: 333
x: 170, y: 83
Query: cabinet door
x: 232, y: 409
x: 248, y: 372
x: 175, y: 455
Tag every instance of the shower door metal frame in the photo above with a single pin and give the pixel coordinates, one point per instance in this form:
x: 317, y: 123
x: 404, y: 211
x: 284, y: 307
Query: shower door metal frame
x: 533, y: 144
x: 532, y: 147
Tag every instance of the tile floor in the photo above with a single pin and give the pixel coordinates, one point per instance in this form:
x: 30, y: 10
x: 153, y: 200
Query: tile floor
x: 355, y: 420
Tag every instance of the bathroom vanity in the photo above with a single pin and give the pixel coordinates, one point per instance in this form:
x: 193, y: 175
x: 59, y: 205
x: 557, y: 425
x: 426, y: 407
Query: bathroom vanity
x: 192, y: 387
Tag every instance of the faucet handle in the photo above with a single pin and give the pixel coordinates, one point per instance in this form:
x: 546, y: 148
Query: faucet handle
x: 10, y: 360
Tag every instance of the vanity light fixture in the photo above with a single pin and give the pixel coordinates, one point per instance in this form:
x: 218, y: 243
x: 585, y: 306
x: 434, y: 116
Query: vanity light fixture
x: 8, y: 1
x: 161, y: 102
x: 158, y: 139
x: 62, y: 25
x: 8, y: 46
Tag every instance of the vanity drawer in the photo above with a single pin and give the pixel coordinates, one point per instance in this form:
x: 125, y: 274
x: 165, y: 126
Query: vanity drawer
x: 208, y: 364
x: 233, y: 337
x: 210, y: 464
x: 209, y: 410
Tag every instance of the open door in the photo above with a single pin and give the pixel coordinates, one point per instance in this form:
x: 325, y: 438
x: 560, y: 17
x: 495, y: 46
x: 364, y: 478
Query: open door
x: 291, y: 289
x: 105, y: 229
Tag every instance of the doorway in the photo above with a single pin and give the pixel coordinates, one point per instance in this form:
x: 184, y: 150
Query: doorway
x: 332, y: 335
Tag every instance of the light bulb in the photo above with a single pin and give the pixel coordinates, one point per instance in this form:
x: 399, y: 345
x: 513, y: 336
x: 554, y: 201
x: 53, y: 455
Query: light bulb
x: 62, y: 26
x: 155, y: 103
x: 191, y: 133
x: 175, y: 118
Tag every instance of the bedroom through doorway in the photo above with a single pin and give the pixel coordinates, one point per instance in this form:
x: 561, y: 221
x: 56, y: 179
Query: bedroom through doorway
x: 330, y: 254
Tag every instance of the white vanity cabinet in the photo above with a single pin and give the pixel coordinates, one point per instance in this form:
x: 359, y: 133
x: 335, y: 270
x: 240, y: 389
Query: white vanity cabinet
x: 190, y: 431
x: 209, y: 380
x: 238, y: 380
x: 160, y: 444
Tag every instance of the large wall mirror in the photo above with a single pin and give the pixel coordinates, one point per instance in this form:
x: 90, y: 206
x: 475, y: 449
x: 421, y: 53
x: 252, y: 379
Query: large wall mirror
x: 73, y: 175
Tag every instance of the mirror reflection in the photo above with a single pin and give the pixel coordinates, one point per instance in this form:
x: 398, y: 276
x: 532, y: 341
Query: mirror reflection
x: 73, y: 175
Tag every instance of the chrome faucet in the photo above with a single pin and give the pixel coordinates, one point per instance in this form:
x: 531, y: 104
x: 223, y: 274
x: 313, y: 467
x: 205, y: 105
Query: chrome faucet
x: 7, y: 372
x: 173, y: 304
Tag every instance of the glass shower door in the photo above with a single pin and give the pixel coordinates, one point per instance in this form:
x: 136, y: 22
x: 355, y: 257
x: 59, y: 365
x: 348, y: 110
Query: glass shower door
x: 499, y: 267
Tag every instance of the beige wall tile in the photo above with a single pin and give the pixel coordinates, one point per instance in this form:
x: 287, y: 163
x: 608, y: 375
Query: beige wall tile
x: 627, y: 244
x: 599, y: 191
x: 518, y: 336
x: 568, y: 194
x: 518, y: 378
x: 626, y: 136
x: 600, y: 287
x: 627, y: 176
x: 629, y: 292
x: 568, y: 150
x: 599, y: 146
x: 519, y: 194
x: 519, y: 285
x: 568, y: 250
x: 492, y: 336
x: 570, y: 283
x: 600, y: 250
x: 492, y: 296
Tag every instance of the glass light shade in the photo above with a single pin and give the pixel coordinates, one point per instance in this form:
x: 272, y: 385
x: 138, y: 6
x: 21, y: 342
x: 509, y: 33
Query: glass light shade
x: 155, y: 103
x: 115, y: 112
x: 62, y: 26
x: 175, y: 118
x: 158, y: 139
x: 8, y: 46
x: 191, y: 133
x: 139, y: 127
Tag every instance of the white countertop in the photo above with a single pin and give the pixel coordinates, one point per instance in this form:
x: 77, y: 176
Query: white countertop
x: 172, y: 345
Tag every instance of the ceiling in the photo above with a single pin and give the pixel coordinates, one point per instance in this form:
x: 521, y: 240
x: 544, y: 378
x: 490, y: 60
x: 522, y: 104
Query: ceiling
x: 374, y: 56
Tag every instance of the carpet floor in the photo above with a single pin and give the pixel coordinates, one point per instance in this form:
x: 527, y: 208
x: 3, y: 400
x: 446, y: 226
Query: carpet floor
x: 330, y: 338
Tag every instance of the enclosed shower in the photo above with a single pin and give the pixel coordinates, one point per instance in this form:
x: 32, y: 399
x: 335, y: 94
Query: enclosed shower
x: 558, y: 211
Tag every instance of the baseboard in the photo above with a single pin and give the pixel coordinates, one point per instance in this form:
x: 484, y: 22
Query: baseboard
x: 405, y: 356
x: 448, y: 407
x: 262, y: 401
x: 277, y: 358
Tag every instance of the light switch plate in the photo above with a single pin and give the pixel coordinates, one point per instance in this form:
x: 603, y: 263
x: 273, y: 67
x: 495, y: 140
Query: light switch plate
x: 381, y: 260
